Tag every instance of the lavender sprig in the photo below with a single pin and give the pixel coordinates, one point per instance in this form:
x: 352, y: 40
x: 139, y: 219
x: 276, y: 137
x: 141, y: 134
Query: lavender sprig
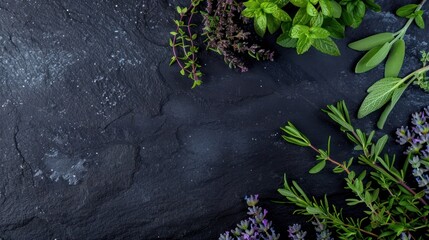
x: 417, y: 140
x: 295, y: 232
x: 256, y: 227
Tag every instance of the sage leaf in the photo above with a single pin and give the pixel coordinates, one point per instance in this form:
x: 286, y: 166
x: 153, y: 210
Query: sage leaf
x: 395, y: 60
x: 370, y: 42
x: 379, y: 56
x: 379, y: 94
x: 361, y: 66
x: 318, y: 167
x: 419, y: 21
x: 326, y: 45
x: 406, y: 10
x: 395, y: 98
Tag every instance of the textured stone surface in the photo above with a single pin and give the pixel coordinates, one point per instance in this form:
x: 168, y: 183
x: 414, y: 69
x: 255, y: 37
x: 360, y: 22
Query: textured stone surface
x: 100, y: 139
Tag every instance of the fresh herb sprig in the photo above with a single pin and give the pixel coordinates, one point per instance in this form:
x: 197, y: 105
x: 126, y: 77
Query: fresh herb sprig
x: 389, y: 90
x: 388, y: 45
x: 224, y: 34
x: 183, y: 44
x: 391, y: 207
x: 314, y: 24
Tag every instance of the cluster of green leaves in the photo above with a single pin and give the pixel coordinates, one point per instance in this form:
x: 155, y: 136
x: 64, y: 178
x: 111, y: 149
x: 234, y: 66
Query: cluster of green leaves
x: 183, y: 44
x: 266, y: 14
x: 388, y: 91
x: 391, y: 46
x: 391, y: 207
x: 315, y: 22
x: 388, y: 45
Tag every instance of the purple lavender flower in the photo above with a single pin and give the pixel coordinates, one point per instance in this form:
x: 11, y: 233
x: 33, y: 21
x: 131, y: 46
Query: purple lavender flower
x: 295, y: 232
x: 322, y: 232
x: 417, y: 140
x: 256, y: 227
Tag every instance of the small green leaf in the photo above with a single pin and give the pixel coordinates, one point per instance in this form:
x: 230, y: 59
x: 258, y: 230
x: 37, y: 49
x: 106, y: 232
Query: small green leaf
x: 273, y: 24
x: 325, y: 6
x: 182, y: 71
x: 248, y: 12
x: 285, y: 41
x: 304, y: 43
x: 298, y: 31
x: 361, y: 66
x: 318, y: 167
x: 260, y: 24
x: 406, y: 10
x: 173, y: 60
x: 395, y: 98
x: 318, y: 33
x: 311, y: 10
x: 379, y: 56
x: 317, y: 21
x: 372, y: 41
x: 395, y: 60
x: 301, y: 17
x: 327, y: 46
x: 252, y: 4
x: 282, y: 15
x: 379, y: 94
x: 336, y: 9
x: 269, y: 7
x: 419, y: 21
x: 299, y: 3
x: 335, y: 29
x: 373, y: 6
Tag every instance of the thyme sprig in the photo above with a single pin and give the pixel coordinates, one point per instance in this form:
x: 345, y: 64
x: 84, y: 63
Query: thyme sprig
x: 183, y: 44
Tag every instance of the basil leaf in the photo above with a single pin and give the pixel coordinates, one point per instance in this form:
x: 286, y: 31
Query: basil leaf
x: 325, y: 6
x: 299, y: 3
x: 269, y: 7
x: 311, y: 10
x: 260, y: 24
x: 273, y: 24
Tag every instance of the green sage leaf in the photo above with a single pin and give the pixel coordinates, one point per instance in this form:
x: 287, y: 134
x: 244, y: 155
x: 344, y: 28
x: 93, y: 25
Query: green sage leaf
x: 361, y: 66
x: 379, y: 94
x: 379, y: 56
x: 419, y: 21
x: 395, y: 60
x: 370, y: 42
x: 395, y: 98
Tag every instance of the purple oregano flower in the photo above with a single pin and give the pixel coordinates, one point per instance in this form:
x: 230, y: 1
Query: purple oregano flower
x: 417, y: 140
x: 256, y: 227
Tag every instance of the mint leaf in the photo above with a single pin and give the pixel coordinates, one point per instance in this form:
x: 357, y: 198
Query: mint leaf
x: 273, y: 24
x: 304, y: 43
x: 327, y: 46
x: 318, y: 32
x: 269, y: 7
x: 285, y: 41
x: 299, y: 3
x: 335, y: 29
x: 311, y: 10
x: 299, y: 31
x: 301, y: 17
x: 282, y: 15
x: 325, y: 5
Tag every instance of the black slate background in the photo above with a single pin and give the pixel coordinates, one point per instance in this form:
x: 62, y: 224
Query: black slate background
x: 100, y: 139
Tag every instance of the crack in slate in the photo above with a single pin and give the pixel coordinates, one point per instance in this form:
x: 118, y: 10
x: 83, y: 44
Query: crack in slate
x: 24, y: 162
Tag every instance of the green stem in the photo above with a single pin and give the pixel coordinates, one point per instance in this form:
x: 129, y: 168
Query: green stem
x: 332, y: 160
